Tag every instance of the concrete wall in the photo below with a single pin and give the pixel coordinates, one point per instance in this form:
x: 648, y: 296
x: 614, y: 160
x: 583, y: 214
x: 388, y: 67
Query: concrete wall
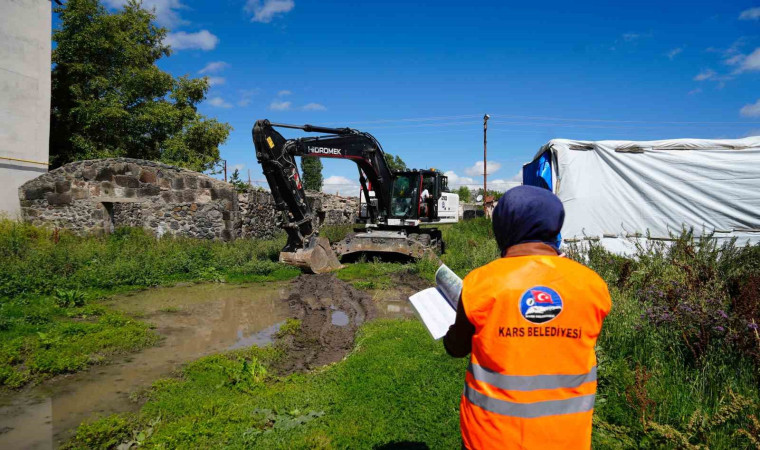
x: 25, y: 28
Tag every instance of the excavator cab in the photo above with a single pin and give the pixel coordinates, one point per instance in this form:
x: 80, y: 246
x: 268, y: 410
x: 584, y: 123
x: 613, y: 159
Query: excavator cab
x: 415, y: 196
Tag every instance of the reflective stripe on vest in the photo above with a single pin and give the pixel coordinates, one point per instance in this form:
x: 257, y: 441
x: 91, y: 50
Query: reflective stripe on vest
x: 529, y: 410
x: 529, y: 383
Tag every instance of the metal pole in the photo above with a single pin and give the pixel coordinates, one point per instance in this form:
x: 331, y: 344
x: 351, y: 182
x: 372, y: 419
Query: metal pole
x: 249, y: 177
x: 225, y: 170
x: 485, y: 160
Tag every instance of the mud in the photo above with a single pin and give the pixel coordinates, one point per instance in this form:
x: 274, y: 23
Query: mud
x: 330, y: 311
x: 394, y: 303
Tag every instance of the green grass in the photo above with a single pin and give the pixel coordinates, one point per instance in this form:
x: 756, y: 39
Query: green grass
x: 52, y: 284
x: 667, y: 379
x: 397, y: 386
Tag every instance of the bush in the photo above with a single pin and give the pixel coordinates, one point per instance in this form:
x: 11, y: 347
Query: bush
x: 678, y: 355
x: 39, y: 261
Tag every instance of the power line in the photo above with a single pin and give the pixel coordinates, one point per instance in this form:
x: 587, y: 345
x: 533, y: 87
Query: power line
x: 541, y: 118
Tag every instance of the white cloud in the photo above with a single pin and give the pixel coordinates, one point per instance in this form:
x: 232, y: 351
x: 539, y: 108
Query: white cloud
x: 477, y: 169
x: 751, y: 110
x: 166, y: 11
x: 314, y: 107
x: 279, y: 106
x: 750, y: 14
x: 213, y: 67
x: 215, y: 81
x: 245, y: 96
x: 735, y: 59
x: 219, y: 102
x: 673, y: 53
x: 455, y: 180
x: 265, y: 10
x: 239, y: 167
x: 503, y: 185
x: 695, y: 91
x: 705, y: 75
x: 628, y: 37
x: 283, y: 93
x: 749, y: 63
x: 336, y: 184
x: 202, y: 40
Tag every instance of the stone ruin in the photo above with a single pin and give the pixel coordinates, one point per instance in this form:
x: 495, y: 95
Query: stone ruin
x: 97, y: 196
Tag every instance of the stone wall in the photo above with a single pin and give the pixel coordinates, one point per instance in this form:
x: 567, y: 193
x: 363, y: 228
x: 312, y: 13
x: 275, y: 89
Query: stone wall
x: 333, y: 209
x: 98, y: 195
x: 259, y: 217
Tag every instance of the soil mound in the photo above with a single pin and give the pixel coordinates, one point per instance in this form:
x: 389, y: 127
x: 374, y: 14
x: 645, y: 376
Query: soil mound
x: 330, y: 311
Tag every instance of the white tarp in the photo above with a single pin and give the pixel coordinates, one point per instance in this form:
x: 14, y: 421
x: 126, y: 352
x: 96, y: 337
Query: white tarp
x: 613, y: 190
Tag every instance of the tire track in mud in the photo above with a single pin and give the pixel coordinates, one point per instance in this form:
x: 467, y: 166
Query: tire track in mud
x: 330, y: 311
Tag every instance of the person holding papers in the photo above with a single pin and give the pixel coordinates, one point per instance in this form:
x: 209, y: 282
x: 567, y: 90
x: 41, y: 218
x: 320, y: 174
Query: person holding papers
x: 530, y: 321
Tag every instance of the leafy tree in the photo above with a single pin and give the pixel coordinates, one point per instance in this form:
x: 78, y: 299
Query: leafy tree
x: 311, y: 173
x: 495, y: 194
x: 464, y: 193
x: 110, y: 99
x: 237, y: 183
x: 395, y: 162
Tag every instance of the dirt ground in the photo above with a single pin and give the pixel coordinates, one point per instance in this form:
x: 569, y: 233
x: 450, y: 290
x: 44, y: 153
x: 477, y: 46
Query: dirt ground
x: 331, y: 311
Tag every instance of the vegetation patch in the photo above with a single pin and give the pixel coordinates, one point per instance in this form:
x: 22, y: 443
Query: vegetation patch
x: 52, y: 283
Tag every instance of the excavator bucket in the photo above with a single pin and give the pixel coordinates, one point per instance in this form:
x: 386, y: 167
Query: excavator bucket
x: 317, y: 257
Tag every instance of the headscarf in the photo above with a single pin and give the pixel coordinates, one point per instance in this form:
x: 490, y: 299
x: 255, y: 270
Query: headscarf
x: 527, y: 214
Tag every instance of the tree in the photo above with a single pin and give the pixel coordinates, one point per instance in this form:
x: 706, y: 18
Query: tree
x: 395, y: 162
x: 311, y: 173
x: 110, y: 99
x: 464, y: 193
x: 495, y: 194
x: 237, y: 183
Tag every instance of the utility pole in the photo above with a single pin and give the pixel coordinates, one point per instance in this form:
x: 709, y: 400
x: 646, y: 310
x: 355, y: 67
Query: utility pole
x: 485, y: 158
x: 249, y: 178
x: 225, y: 170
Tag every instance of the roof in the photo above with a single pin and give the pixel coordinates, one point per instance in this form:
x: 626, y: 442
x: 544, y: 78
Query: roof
x: 563, y: 145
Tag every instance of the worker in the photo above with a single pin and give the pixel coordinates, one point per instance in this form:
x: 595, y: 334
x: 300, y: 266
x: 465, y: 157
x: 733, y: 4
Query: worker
x: 424, y: 196
x: 530, y: 321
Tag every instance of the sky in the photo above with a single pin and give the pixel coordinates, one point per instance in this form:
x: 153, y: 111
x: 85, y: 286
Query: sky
x: 420, y: 76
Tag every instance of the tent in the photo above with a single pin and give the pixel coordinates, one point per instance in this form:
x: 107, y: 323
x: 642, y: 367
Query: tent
x: 619, y: 191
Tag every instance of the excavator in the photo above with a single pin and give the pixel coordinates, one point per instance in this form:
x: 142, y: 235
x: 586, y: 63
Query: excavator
x: 394, y: 204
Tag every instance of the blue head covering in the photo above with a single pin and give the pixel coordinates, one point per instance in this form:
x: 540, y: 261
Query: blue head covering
x: 527, y: 214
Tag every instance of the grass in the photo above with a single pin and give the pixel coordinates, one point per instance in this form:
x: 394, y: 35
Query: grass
x: 51, y: 284
x: 397, y: 386
x: 678, y: 356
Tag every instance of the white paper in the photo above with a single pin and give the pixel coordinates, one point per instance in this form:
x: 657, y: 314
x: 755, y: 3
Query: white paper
x: 434, y: 311
x: 436, y: 306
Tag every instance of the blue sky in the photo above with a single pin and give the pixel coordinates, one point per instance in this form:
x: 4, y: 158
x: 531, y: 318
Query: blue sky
x: 420, y: 75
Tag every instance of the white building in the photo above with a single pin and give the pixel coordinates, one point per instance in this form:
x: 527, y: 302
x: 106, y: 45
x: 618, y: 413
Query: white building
x: 25, y: 45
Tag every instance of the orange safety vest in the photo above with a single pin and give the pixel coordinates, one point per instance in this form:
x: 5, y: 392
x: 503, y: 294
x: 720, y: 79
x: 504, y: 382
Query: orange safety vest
x: 531, y: 381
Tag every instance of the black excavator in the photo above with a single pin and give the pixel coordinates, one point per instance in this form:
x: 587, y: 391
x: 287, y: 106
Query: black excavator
x: 393, y: 203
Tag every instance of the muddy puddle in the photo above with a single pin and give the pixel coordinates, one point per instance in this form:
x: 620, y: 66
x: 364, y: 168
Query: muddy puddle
x: 198, y: 320
x: 194, y: 320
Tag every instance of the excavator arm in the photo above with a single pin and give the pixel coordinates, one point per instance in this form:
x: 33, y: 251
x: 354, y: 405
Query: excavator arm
x: 277, y: 158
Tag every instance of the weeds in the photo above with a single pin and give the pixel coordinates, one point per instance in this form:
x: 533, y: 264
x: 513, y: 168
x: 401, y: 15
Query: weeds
x: 50, y: 281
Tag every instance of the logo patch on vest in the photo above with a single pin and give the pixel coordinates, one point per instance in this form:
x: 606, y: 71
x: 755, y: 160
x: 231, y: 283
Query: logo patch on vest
x: 540, y: 304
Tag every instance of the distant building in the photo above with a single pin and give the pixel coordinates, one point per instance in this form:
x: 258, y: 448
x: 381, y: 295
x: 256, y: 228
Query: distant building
x: 25, y: 46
